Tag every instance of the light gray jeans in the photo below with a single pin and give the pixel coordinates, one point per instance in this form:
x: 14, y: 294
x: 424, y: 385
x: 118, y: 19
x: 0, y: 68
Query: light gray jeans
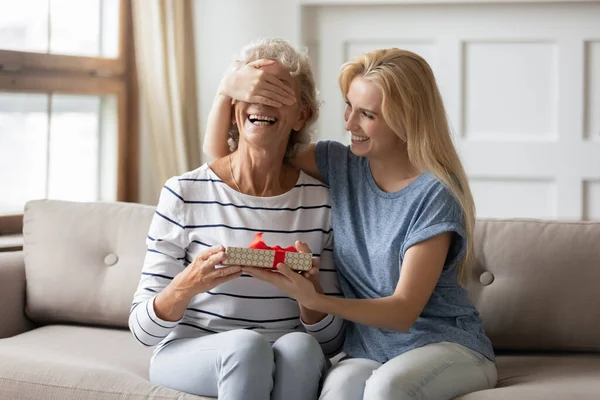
x: 241, y: 364
x: 438, y: 371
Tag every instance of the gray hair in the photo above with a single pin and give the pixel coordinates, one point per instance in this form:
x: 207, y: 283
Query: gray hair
x: 300, y: 67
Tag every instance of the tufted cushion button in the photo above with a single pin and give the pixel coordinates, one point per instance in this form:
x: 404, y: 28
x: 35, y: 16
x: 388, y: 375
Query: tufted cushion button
x: 111, y: 259
x: 486, y: 278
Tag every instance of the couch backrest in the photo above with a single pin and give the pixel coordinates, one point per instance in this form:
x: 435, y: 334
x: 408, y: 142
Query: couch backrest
x: 536, y: 284
x: 83, y: 260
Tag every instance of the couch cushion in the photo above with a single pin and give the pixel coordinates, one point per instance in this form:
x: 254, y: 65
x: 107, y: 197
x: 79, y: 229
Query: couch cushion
x: 79, y: 363
x: 535, y: 284
x: 83, y: 260
x: 544, y: 377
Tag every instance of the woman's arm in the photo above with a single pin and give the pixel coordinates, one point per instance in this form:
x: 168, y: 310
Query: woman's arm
x: 166, y: 284
x: 327, y: 329
x: 217, y: 128
x: 306, y: 161
x: 421, y: 269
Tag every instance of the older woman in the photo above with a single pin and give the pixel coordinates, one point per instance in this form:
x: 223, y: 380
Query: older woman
x: 220, y: 332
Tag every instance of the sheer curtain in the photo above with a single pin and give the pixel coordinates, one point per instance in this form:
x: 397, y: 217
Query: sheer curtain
x: 164, y: 45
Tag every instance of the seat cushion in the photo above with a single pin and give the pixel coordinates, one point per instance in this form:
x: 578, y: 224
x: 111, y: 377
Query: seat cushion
x: 544, y: 377
x: 79, y: 363
x: 86, y: 363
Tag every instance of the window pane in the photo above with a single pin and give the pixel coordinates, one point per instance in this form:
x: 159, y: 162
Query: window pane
x: 23, y: 149
x: 71, y: 155
x: 109, y: 128
x: 24, y: 25
x: 77, y: 27
x: 83, y: 148
x: 85, y: 28
x: 73, y: 148
x: 110, y: 29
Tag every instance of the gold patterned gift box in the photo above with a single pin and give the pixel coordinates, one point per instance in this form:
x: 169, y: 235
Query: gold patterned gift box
x: 267, y: 258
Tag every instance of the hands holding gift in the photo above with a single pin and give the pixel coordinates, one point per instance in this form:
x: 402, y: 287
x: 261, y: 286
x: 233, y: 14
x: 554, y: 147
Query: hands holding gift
x: 200, y: 276
x: 304, y: 287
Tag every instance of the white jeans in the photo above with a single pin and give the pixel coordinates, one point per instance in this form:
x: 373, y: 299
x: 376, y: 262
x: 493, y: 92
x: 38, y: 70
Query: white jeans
x: 439, y: 371
x: 241, y: 364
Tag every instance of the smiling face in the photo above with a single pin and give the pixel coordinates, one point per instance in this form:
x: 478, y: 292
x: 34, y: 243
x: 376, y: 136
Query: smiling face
x: 371, y: 135
x: 270, y: 127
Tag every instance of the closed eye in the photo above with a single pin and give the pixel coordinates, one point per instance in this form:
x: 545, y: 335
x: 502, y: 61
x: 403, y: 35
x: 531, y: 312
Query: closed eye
x: 369, y: 116
x: 362, y: 112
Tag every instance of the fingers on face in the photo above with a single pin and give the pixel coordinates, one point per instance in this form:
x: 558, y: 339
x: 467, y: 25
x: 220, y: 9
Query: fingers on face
x: 272, y: 79
x: 279, y: 94
x: 263, y: 62
x: 265, y: 100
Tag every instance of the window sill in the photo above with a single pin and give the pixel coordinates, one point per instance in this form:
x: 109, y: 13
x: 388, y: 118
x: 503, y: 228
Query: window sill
x: 11, y: 242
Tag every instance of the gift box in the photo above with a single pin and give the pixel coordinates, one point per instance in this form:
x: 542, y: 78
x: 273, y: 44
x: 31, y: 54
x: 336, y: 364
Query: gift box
x: 261, y: 255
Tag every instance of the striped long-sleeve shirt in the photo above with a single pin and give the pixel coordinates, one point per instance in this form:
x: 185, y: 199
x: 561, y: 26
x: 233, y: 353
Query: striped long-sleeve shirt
x: 198, y: 210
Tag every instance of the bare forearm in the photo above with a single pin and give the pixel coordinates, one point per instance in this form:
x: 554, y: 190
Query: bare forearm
x: 171, y: 303
x: 217, y: 128
x: 309, y: 316
x: 385, y: 313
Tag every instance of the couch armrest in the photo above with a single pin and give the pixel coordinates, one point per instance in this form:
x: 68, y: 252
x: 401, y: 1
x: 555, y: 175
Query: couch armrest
x: 12, y: 295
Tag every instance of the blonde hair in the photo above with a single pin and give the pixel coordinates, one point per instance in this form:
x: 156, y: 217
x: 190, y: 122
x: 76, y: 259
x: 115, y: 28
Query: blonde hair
x: 299, y: 66
x: 412, y: 106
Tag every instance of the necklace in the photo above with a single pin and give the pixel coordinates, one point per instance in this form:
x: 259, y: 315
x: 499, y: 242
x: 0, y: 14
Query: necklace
x: 233, y: 177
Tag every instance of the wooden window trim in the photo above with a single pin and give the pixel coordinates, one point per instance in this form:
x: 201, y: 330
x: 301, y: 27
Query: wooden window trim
x: 92, y: 66
x: 11, y: 224
x: 55, y: 73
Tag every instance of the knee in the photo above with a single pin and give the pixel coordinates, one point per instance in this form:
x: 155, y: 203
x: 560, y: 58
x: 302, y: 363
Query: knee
x: 248, y: 348
x: 301, y: 348
x: 380, y: 386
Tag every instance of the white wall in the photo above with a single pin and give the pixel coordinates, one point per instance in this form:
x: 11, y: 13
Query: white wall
x: 556, y: 175
x: 520, y: 82
x: 223, y: 27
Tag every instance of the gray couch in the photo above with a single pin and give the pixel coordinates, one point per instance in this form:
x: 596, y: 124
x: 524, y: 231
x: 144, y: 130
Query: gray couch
x: 65, y: 300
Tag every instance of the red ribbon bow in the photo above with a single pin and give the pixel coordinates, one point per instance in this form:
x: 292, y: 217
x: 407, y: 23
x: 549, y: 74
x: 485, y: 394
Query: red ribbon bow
x: 259, y: 244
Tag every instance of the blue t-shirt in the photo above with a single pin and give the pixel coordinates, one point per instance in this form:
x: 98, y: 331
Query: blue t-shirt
x: 372, y: 230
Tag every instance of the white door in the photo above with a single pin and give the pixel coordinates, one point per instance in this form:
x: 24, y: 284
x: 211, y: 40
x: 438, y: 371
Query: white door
x: 521, y: 85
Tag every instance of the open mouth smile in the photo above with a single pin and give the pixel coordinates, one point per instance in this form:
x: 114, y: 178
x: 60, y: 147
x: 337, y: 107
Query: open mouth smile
x: 261, y: 120
x: 358, y: 139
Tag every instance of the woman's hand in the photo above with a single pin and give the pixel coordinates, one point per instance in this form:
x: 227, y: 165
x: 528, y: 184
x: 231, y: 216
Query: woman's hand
x: 201, y: 275
x: 253, y: 85
x: 198, y: 277
x: 292, y: 282
x: 312, y: 274
x: 288, y: 281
